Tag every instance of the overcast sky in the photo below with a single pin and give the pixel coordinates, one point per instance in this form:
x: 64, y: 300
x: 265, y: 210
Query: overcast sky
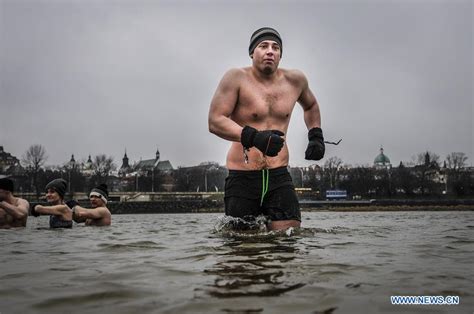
x: 92, y: 77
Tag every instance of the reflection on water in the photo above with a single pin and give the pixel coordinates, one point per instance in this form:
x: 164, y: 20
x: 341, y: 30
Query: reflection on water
x: 254, y: 266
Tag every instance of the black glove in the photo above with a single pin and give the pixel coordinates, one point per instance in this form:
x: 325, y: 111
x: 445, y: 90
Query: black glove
x: 74, y: 217
x: 269, y: 142
x: 33, y: 211
x: 72, y: 203
x: 316, y: 148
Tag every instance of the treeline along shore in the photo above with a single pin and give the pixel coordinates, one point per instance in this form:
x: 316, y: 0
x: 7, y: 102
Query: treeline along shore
x: 151, y: 203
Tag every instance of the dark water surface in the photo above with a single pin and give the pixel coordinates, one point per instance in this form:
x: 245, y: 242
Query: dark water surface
x: 179, y: 263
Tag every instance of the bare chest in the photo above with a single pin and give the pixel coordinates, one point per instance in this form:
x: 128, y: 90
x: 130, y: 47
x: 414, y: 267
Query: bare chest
x: 258, y: 102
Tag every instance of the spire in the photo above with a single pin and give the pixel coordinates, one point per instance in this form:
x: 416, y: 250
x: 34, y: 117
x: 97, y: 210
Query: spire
x: 157, y: 154
x: 125, y: 160
x: 72, y: 159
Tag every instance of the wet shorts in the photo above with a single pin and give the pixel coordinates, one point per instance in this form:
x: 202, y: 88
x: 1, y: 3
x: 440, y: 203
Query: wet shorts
x: 268, y: 192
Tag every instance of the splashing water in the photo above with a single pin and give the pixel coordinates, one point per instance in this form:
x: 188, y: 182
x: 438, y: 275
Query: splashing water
x: 255, y: 227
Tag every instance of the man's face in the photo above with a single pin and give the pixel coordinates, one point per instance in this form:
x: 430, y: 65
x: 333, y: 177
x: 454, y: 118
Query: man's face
x: 52, y: 196
x: 96, y: 201
x: 266, y: 56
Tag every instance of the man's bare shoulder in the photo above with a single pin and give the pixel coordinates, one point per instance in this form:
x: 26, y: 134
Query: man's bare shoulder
x: 23, y: 203
x: 103, y: 210
x: 236, y: 73
x: 232, y: 79
x: 294, y: 76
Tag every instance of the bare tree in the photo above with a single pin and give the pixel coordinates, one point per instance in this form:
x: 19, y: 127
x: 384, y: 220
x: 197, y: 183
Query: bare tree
x: 455, y: 178
x: 33, y: 160
x: 427, y: 159
x: 331, y: 166
x: 102, y: 166
x: 456, y: 161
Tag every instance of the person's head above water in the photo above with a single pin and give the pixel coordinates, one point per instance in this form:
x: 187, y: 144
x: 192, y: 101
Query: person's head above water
x: 55, y: 190
x: 6, y: 184
x: 6, y: 188
x: 99, y: 195
x: 262, y: 34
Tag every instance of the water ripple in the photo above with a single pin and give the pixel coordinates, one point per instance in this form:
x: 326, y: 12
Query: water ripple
x: 194, y: 263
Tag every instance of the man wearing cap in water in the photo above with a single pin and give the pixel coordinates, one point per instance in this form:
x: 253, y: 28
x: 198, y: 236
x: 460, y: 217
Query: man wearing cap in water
x: 99, y: 214
x: 252, y: 107
x: 13, y: 210
x: 60, y: 213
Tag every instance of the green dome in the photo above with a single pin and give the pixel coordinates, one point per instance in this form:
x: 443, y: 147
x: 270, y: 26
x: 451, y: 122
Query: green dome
x: 381, y: 158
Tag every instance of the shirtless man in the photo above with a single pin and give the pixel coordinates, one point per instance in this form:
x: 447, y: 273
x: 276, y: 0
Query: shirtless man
x: 13, y: 210
x: 252, y: 107
x: 60, y: 213
x: 99, y: 214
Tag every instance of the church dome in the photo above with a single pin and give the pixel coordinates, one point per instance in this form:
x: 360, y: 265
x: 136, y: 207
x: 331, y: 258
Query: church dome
x: 381, y: 158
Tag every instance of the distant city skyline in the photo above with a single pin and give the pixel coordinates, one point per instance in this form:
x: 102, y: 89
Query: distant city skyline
x: 99, y: 77
x: 79, y: 159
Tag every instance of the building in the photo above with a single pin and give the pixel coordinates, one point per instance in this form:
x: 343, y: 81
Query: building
x: 87, y: 168
x: 125, y: 168
x: 145, y: 166
x: 382, y: 161
x: 9, y: 164
x: 160, y: 172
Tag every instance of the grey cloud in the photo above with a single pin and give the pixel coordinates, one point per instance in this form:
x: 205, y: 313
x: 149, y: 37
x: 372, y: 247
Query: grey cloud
x: 96, y: 77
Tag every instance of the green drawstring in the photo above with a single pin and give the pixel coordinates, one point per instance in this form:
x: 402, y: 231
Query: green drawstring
x: 264, y: 184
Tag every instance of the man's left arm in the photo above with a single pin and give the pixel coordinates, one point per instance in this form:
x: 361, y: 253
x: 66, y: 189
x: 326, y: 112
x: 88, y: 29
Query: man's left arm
x: 307, y: 100
x: 17, y: 212
x: 312, y: 118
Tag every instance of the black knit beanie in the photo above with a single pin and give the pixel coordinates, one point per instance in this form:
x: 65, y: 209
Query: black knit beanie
x: 6, y: 184
x: 59, y: 185
x: 264, y: 33
x: 100, y: 191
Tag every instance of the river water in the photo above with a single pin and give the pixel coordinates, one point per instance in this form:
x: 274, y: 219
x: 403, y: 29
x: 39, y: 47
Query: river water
x: 190, y: 263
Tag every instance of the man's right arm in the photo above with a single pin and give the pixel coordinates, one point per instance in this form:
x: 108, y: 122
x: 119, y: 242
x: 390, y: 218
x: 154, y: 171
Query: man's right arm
x: 58, y: 210
x: 81, y: 213
x: 223, y: 104
x: 17, y: 212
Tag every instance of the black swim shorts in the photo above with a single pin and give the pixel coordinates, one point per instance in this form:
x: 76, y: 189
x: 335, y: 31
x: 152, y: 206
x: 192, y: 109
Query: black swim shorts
x: 268, y: 192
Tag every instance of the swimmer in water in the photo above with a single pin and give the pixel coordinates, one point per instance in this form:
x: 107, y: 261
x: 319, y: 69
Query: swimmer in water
x: 13, y: 210
x: 60, y: 213
x: 99, y: 214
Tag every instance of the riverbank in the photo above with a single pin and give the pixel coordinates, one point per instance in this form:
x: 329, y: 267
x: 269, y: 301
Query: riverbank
x: 217, y: 206
x: 390, y: 205
x: 375, y: 208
